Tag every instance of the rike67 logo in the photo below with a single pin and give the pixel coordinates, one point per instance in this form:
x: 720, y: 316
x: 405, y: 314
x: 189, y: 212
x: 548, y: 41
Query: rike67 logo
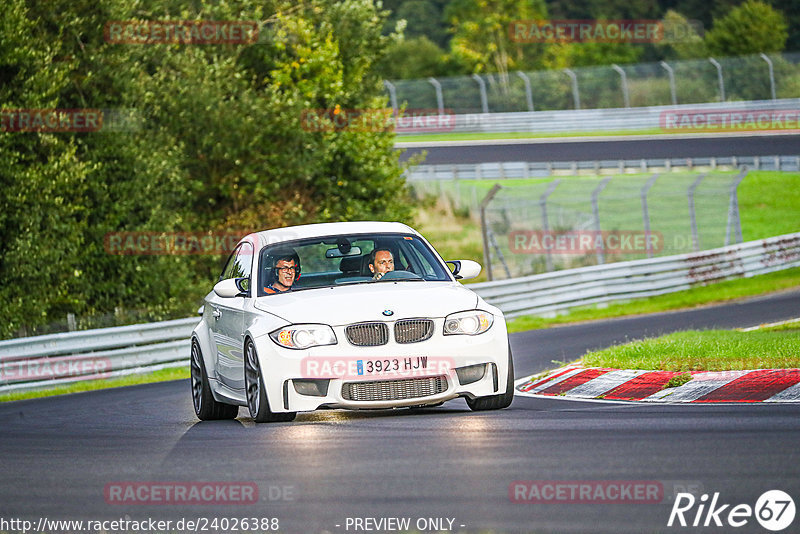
x: 774, y: 510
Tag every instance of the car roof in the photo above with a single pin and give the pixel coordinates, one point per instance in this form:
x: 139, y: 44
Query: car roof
x: 290, y: 233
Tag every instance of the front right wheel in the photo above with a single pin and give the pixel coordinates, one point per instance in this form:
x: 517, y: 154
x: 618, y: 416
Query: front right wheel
x: 205, y: 406
x: 496, y: 402
x: 257, y: 401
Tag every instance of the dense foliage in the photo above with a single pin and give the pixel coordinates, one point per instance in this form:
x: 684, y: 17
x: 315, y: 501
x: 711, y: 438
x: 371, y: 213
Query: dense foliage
x: 458, y: 37
x: 208, y: 138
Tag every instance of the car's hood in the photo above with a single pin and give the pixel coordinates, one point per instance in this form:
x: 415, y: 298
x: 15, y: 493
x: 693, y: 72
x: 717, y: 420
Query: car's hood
x: 367, y: 302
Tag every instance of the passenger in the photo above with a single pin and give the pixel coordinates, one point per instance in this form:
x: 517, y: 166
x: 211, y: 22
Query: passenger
x: 284, y: 274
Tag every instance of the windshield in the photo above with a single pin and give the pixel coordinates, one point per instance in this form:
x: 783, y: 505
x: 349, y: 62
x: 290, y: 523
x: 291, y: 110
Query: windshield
x: 346, y: 259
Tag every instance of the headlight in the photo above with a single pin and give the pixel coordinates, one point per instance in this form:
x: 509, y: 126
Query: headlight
x: 303, y: 336
x: 470, y: 323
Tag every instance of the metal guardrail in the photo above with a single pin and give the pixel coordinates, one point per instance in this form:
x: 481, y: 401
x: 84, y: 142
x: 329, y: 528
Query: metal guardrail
x: 44, y: 361
x: 591, y: 120
x: 546, y: 294
x: 538, y: 169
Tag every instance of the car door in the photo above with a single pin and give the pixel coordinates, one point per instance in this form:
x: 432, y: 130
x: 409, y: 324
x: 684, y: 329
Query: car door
x: 212, y: 314
x: 228, y: 320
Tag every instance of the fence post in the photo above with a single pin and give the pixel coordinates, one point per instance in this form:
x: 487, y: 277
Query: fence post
x: 624, y: 81
x: 671, y: 73
x: 439, y: 98
x: 734, y: 223
x: 646, y: 214
x: 499, y: 252
x: 766, y: 58
x: 486, y: 252
x: 576, y: 97
x: 545, y: 221
x: 692, y: 212
x: 392, y: 95
x: 528, y: 92
x: 596, y: 212
x: 482, y: 86
x: 719, y: 78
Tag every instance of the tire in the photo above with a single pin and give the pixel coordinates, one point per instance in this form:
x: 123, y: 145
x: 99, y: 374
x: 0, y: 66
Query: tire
x: 257, y: 401
x: 205, y: 407
x: 496, y: 402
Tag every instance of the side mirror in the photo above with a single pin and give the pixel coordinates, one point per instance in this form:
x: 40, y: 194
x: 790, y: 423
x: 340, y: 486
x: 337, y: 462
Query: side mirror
x: 464, y: 269
x: 232, y: 287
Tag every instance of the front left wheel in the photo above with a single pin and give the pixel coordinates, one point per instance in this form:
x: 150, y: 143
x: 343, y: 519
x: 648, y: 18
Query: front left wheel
x: 257, y: 401
x: 205, y: 406
x: 496, y: 402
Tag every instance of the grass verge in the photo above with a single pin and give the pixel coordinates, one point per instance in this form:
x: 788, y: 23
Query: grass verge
x: 162, y: 375
x: 709, y: 350
x: 691, y: 298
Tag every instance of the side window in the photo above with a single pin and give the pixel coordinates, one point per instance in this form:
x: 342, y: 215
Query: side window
x: 242, y: 265
x: 228, y: 269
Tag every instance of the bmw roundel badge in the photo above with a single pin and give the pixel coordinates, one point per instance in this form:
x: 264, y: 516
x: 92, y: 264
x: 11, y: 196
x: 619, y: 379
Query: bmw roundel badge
x: 388, y: 313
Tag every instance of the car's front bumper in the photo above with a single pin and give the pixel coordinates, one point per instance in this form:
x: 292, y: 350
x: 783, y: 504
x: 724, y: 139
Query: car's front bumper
x: 345, y: 370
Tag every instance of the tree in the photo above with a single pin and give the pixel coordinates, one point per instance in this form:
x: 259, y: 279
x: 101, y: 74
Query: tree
x: 423, y: 19
x: 215, y: 142
x: 686, y: 43
x: 751, y: 28
x: 416, y: 58
x: 481, y: 34
x: 42, y: 213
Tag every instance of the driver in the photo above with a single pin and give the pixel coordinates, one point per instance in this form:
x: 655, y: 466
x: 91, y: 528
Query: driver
x: 285, y: 272
x: 381, y: 262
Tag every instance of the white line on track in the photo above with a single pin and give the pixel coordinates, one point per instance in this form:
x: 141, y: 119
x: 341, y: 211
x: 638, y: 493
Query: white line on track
x: 768, y: 325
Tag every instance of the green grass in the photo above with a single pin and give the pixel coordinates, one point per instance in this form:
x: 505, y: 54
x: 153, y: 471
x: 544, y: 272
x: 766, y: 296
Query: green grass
x: 769, y: 201
x: 709, y: 350
x: 477, y: 136
x: 769, y: 204
x: 691, y: 298
x: 678, y: 380
x: 162, y: 375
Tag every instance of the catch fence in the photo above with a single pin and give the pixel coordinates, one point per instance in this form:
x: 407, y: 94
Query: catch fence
x: 756, y: 77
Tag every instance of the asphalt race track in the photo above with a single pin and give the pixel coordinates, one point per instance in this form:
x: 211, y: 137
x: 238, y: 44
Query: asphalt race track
x: 608, y: 148
x: 57, y: 455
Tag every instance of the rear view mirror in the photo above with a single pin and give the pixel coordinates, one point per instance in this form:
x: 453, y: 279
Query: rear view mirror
x: 337, y: 253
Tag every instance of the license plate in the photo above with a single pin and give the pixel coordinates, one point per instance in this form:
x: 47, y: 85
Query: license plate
x: 391, y: 365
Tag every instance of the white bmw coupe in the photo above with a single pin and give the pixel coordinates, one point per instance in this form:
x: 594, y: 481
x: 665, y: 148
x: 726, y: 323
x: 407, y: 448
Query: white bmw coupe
x: 355, y: 315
